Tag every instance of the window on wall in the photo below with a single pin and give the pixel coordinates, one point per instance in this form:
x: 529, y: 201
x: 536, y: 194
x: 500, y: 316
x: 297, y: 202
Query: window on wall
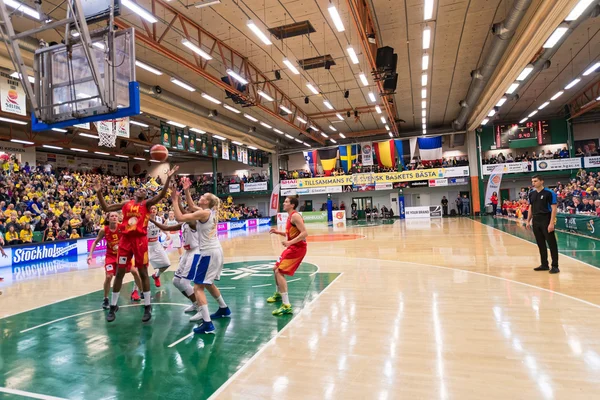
x: 362, y: 203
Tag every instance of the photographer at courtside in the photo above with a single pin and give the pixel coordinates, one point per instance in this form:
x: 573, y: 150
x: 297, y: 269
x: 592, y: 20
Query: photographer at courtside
x: 542, y: 212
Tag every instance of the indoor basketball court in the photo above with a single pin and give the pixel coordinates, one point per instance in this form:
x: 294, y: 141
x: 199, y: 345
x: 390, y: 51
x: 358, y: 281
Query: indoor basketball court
x: 372, y: 186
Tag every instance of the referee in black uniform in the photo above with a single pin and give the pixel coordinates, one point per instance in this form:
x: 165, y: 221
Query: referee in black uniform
x: 542, y: 211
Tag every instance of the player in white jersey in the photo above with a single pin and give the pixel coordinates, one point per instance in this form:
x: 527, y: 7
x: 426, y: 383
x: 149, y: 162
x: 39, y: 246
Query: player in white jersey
x: 209, y: 263
x: 175, y: 234
x: 190, y: 245
x: 156, y: 253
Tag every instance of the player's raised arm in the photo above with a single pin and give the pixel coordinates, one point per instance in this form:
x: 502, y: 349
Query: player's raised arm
x: 188, y: 196
x: 96, y: 241
x: 103, y: 205
x: 164, y: 190
x: 166, y: 228
x: 199, y: 215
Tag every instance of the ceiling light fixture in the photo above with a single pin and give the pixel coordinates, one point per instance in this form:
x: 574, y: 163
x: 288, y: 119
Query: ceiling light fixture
x: 139, y: 158
x: 312, y: 88
x: 335, y: 16
x: 391, y: 134
x: 387, y: 127
x: 492, y: 112
x: 285, y: 109
x: 252, y: 148
x: 424, y: 80
x: 501, y: 102
x: 102, y: 153
x: 306, y: 144
x: 79, y: 150
x: 531, y: 114
x: 332, y: 140
x: 426, y: 38
x: 211, y: 99
x: 21, y: 141
x: 233, y: 110
x: 324, y: 135
x: 251, y: 118
x: 372, y: 97
x: 423, y: 93
x: 182, y: 84
x: 382, y: 119
x: 138, y: 123
x: 327, y: 104
x: 342, y: 136
x: 424, y: 126
x: 352, y: 55
x: 523, y: 120
x: 22, y: 8
x: 423, y: 103
x: 59, y: 130
x: 557, y: 95
x: 142, y: 12
x: 298, y: 140
x: 423, y: 113
x: 87, y: 135
x: 289, y: 136
x: 591, y: 69
x: 302, y: 120
x: 16, y: 75
x: 423, y: 120
x: 578, y: 10
x: 200, y: 131
x: 218, y: 137
x: 291, y: 66
x: 237, y: 77
x: 556, y: 36
x: 378, y: 109
x: 332, y: 128
x: 363, y: 79
x: 525, y: 73
x: 236, y: 142
x: 485, y: 121
x: 511, y: 89
x: 572, y: 83
x: 278, y: 131
x: 177, y: 124
x: 339, y: 116
x: 266, y: 125
x: 196, y: 49
x: 52, y: 147
x: 543, y: 105
x: 428, y: 10
x: 250, y: 24
x: 264, y: 95
x: 425, y: 62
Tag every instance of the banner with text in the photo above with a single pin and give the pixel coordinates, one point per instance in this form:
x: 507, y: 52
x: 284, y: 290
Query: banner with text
x: 508, y: 168
x: 558, y: 164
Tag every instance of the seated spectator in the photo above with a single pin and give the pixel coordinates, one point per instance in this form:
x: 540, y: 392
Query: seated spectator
x: 12, y: 237
x: 74, y: 234
x: 597, y: 205
x: 579, y: 153
x: 26, y: 234
x: 62, y: 235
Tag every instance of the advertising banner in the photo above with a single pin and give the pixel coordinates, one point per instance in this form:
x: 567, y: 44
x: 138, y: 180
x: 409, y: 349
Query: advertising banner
x: 255, y: 186
x: 494, y: 183
x: 222, y: 226
x: 13, y: 95
x: 274, y: 201
x: 339, y: 216
x: 224, y: 150
x: 384, y: 186
x: 508, y: 168
x: 308, y: 216
x: 204, y: 145
x: 438, y: 182
x: 366, y: 150
x: 100, y: 246
x: 192, y: 142
x: 591, y: 162
x: 234, y: 188
x: 558, y: 164
x: 580, y: 224
x: 165, y: 135
x: 435, y: 211
x: 179, y: 140
x: 384, y: 177
x: 416, y: 212
x: 453, y: 172
x: 458, y: 181
x: 44, y: 251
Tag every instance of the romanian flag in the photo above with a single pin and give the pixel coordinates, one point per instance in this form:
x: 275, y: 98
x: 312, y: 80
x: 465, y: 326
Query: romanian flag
x: 311, y: 161
x: 386, y: 153
x: 348, y: 154
x: 328, y: 159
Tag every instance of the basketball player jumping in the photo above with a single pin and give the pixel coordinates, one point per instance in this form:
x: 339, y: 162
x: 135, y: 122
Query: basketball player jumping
x: 292, y: 256
x: 207, y: 265
x: 112, y: 234
x: 133, y: 242
x: 156, y: 252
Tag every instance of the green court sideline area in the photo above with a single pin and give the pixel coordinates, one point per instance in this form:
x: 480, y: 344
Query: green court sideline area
x: 578, y: 247
x: 68, y: 350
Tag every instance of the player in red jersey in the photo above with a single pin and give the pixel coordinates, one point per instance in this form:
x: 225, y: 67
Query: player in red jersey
x: 112, y: 234
x: 292, y: 256
x: 134, y: 241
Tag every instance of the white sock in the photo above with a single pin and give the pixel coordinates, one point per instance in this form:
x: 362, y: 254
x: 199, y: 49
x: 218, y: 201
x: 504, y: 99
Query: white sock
x: 285, y: 299
x: 205, y: 313
x: 114, y: 298
x: 157, y: 273
x: 134, y: 288
x: 221, y: 302
x: 147, y: 298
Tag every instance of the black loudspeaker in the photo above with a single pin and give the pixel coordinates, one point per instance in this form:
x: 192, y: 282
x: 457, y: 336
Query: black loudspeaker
x: 385, y: 58
x: 390, y: 83
x: 143, y: 137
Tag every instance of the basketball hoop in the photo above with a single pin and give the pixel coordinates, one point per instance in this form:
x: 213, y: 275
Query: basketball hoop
x: 108, y: 137
x: 365, y: 179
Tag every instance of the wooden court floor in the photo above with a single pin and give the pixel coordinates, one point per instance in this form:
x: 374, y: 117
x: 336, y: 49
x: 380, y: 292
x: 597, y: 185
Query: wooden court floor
x: 437, y: 309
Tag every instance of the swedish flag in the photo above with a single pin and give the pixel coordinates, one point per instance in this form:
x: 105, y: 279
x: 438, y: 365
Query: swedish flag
x: 348, y: 154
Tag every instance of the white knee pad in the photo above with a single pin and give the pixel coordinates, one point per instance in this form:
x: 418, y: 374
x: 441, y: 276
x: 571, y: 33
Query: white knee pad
x: 183, y: 285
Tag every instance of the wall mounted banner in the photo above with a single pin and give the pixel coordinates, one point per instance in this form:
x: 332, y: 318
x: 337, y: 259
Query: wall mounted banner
x: 192, y: 143
x: 385, y: 177
x: 494, y: 183
x: 13, y: 95
x: 224, y: 150
x: 180, y: 144
x: 558, y: 164
x: 591, y: 162
x: 367, y: 153
x: 255, y: 186
x: 165, y: 135
x: 508, y: 168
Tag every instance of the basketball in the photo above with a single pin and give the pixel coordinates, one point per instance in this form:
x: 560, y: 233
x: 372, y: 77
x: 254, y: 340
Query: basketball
x: 159, y: 152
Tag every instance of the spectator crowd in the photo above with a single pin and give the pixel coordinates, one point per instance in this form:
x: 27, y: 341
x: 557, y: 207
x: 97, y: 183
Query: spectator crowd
x: 500, y: 158
x: 42, y: 204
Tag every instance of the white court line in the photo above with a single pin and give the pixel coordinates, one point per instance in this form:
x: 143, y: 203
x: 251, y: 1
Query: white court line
x: 294, y: 280
x: 181, y: 340
x: 474, y: 273
x: 227, y: 288
x: 29, y: 394
x: 266, y: 345
x: 266, y: 284
x: 533, y: 244
x: 93, y: 311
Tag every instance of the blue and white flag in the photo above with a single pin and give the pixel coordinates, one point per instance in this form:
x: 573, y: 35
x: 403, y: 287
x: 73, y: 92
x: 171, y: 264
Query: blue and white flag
x: 430, y: 149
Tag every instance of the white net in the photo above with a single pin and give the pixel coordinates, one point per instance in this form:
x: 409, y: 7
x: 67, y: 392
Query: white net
x: 363, y: 179
x: 107, y: 137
